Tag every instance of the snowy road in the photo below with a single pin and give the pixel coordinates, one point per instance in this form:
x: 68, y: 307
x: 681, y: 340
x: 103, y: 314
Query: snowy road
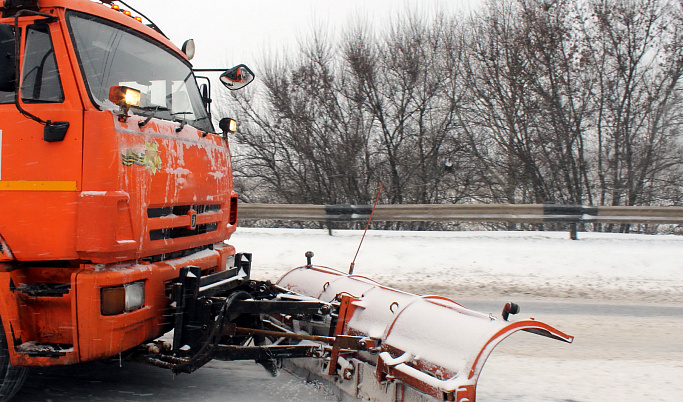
x: 620, y: 296
x: 621, y: 353
x: 217, y: 381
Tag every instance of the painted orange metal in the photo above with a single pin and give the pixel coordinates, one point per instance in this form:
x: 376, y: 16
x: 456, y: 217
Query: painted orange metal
x: 190, y: 170
x: 26, y: 157
x: 346, y: 309
x: 102, y: 336
x: 76, y: 212
x: 75, y: 318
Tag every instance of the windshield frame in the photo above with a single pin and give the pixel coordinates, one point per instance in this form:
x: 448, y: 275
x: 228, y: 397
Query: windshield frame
x: 203, y: 120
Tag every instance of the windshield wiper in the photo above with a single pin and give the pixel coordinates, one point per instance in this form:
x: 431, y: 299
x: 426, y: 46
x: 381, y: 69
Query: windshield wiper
x: 153, y: 109
x: 182, y: 122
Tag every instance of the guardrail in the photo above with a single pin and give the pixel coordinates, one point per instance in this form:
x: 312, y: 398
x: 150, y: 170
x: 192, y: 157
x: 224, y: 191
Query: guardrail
x: 513, y: 213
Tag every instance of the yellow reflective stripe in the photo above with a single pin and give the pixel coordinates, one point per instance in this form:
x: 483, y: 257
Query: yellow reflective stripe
x: 27, y: 185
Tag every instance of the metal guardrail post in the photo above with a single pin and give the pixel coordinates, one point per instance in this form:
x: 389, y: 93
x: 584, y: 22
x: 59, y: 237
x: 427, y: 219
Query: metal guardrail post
x: 573, y: 231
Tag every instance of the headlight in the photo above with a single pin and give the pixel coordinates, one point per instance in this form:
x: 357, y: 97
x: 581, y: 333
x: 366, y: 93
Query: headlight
x: 227, y: 125
x: 122, y: 299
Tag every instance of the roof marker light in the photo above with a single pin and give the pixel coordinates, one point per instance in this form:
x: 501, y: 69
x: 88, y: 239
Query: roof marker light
x: 126, y: 12
x: 115, y: 7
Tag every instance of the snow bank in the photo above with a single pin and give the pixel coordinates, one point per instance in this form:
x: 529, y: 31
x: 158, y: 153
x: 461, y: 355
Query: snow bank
x: 472, y: 265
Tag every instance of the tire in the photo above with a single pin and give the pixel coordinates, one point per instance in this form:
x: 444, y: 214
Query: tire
x: 11, y: 378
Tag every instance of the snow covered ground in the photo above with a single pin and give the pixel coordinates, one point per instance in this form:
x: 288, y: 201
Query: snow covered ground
x: 621, y: 296
x: 481, y: 265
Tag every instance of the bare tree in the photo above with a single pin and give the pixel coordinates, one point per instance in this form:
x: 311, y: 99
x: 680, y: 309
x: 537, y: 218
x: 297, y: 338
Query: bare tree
x: 304, y: 141
x: 404, y: 85
x: 526, y: 101
x: 639, y: 47
x: 501, y: 116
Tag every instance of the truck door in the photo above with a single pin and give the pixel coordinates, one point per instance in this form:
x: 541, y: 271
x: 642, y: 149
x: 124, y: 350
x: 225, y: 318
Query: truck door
x: 38, y: 178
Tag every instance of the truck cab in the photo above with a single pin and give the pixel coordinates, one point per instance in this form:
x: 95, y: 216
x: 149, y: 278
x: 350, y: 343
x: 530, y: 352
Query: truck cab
x: 112, y: 178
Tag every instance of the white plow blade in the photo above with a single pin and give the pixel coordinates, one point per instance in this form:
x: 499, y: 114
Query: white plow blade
x: 433, y: 344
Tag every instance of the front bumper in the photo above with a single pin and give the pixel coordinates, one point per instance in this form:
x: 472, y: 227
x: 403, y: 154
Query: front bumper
x: 85, y: 333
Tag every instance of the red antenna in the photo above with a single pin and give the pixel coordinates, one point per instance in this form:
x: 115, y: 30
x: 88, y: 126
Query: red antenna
x: 353, y: 263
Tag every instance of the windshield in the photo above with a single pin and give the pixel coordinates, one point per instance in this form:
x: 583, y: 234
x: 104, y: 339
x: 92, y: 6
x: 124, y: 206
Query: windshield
x: 111, y: 56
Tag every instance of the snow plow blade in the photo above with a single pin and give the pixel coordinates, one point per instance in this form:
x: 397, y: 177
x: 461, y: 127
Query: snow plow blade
x: 413, y: 347
x: 372, y: 342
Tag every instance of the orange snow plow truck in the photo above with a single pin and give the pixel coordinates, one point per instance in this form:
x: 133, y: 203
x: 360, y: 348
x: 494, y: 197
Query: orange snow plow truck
x: 117, y: 200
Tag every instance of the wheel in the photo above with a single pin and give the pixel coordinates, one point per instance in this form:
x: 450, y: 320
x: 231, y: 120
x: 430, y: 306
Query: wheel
x: 11, y: 378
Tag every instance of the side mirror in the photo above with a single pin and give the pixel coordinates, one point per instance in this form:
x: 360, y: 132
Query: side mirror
x: 204, y: 90
x: 237, y: 77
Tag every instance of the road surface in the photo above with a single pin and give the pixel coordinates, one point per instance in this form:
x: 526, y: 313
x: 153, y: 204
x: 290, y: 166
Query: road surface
x: 621, y: 353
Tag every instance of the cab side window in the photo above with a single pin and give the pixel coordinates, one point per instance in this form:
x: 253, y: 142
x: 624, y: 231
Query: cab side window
x: 41, y: 82
x: 7, y: 81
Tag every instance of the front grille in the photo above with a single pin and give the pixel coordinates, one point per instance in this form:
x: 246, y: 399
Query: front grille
x: 179, y: 210
x: 174, y: 233
x: 177, y: 254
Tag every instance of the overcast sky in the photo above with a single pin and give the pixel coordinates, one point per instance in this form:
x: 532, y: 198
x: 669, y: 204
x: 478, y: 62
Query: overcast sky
x: 228, y: 32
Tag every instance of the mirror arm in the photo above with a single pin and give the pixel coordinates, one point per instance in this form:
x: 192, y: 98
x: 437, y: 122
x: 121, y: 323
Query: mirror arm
x: 235, y: 71
x: 209, y: 70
